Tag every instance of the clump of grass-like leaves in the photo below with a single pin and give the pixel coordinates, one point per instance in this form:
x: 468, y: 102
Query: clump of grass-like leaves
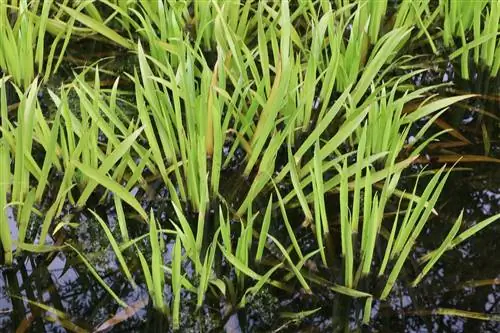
x: 303, y: 101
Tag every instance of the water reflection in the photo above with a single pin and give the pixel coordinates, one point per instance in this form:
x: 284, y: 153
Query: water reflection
x: 465, y: 278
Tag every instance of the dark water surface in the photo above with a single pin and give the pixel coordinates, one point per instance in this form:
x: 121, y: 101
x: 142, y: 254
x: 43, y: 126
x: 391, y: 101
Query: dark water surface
x: 63, y: 284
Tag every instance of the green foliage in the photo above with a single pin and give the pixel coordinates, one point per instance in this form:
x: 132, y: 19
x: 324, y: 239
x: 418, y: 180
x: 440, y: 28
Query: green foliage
x: 302, y: 101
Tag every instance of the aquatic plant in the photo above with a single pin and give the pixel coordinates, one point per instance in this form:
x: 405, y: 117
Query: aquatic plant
x: 303, y: 102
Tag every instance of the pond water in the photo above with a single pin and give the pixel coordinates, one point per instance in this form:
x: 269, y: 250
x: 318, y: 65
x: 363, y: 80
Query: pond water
x: 465, y: 278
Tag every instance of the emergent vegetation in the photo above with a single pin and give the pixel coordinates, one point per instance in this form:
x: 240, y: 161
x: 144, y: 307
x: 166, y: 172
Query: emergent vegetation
x: 238, y: 115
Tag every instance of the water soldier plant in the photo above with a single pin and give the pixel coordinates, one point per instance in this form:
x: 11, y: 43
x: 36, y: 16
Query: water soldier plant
x: 245, y: 145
